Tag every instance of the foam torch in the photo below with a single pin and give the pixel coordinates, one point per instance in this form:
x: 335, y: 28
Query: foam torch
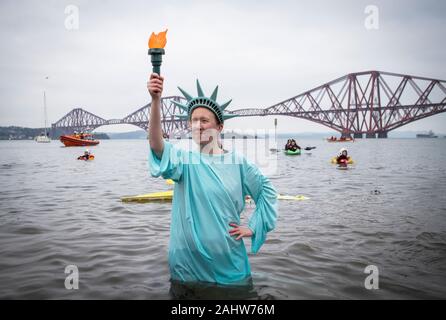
x: 157, y: 42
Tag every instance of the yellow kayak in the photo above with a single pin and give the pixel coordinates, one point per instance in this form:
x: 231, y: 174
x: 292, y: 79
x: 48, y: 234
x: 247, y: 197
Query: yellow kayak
x: 334, y: 161
x: 149, y: 197
x: 296, y: 198
x: 168, y: 195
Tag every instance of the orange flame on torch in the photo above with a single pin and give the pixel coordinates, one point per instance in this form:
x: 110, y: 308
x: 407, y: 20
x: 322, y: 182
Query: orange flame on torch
x: 158, y: 41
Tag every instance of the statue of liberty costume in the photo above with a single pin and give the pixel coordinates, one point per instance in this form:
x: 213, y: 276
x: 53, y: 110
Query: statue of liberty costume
x: 209, y: 194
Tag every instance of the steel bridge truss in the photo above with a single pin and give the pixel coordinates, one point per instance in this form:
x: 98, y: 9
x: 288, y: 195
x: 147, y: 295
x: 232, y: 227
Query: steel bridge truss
x: 371, y: 103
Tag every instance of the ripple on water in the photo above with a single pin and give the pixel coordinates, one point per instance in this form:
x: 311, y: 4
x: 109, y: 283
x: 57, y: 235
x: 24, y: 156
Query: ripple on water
x: 70, y: 213
x: 31, y: 230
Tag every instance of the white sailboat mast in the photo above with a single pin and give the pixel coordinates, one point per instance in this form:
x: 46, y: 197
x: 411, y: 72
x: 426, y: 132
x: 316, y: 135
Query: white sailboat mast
x: 44, y: 109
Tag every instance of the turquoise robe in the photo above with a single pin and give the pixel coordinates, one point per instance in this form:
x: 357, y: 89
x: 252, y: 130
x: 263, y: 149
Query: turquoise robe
x: 209, y: 194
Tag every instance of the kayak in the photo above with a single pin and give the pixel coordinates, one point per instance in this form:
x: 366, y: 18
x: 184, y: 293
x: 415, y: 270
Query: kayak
x: 149, y: 197
x: 296, y: 198
x: 350, y: 161
x: 90, y: 157
x: 341, y: 140
x: 168, y: 195
x: 292, y: 153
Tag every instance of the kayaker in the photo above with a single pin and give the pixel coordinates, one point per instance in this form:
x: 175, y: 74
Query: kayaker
x: 206, y: 235
x: 288, y: 145
x: 294, y: 145
x: 85, y: 156
x: 343, y: 156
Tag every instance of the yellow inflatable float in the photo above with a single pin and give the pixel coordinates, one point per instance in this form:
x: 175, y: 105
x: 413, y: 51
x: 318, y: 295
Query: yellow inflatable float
x: 168, y: 196
x: 350, y: 160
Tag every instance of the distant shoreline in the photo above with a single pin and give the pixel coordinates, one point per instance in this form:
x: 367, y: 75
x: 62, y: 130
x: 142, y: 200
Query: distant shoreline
x: 23, y: 133
x: 252, y: 138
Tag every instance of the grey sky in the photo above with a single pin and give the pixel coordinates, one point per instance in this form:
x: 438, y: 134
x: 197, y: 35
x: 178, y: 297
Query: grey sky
x: 259, y: 52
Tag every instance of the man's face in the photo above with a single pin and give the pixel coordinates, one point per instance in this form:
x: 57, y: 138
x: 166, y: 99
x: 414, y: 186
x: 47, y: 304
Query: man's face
x: 205, y: 126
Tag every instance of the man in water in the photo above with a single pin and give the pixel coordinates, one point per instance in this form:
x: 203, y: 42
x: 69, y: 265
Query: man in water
x: 206, y: 236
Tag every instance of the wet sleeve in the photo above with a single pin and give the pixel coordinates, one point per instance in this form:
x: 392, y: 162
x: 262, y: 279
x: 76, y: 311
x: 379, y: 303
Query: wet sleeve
x: 171, y: 164
x: 263, y: 220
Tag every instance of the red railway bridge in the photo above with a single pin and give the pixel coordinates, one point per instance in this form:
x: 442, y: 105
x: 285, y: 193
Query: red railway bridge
x: 370, y: 103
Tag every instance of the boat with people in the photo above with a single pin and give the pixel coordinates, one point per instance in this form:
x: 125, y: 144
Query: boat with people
x: 341, y: 139
x: 343, y: 159
x: 78, y: 140
x: 86, y: 156
x: 292, y: 148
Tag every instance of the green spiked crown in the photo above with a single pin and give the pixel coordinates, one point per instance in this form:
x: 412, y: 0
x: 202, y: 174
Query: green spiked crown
x: 203, y: 101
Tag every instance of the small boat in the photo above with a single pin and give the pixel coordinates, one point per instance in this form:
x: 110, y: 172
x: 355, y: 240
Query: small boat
x: 428, y: 135
x: 150, y: 197
x: 341, y: 139
x: 292, y: 153
x: 44, y: 136
x: 78, y: 140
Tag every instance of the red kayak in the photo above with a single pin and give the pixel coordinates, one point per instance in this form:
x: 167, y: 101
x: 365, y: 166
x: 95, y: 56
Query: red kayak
x: 76, y: 140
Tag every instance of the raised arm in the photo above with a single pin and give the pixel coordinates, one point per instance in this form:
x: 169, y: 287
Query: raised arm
x: 155, y: 87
